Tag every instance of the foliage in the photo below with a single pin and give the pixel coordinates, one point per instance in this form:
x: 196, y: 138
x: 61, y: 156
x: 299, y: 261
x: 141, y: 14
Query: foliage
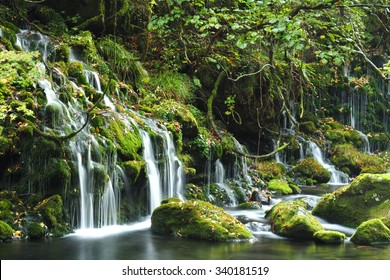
x: 173, y: 85
x: 122, y: 62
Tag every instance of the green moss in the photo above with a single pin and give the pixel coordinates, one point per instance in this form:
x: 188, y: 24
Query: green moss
x: 135, y: 170
x: 250, y: 205
x: 197, y: 220
x: 76, y: 71
x: 125, y: 136
x: 348, y: 158
x: 62, y: 53
x: 6, y: 213
x: 51, y: 211
x: 367, y: 197
x: 36, y: 230
x: 307, y: 127
x: 5, y: 231
x: 269, y: 170
x: 292, y: 219
x: 371, y: 232
x: 329, y: 236
x: 310, y: 168
x: 279, y: 186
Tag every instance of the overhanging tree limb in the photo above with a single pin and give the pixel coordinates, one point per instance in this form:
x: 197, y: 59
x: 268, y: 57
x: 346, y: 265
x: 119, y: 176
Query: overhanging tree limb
x: 210, y: 118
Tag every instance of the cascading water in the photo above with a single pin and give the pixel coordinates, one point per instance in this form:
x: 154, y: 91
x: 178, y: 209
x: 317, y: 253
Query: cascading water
x: 29, y: 40
x: 219, y: 177
x: 154, y: 179
x: 337, y: 177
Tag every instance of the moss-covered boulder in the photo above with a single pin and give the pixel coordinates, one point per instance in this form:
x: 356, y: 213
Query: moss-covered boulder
x: 367, y: 197
x: 36, y: 230
x: 279, y: 186
x: 371, y: 231
x: 197, y: 220
x: 292, y: 219
x: 51, y: 211
x: 250, y: 205
x: 310, y: 168
x: 352, y: 161
x: 5, y: 231
x: 329, y: 237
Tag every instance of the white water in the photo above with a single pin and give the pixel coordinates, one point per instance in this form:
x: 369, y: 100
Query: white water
x: 155, y: 193
x: 219, y: 177
x: 34, y: 41
x: 366, y: 142
x: 337, y: 177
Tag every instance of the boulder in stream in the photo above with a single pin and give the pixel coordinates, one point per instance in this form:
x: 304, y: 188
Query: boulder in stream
x: 371, y: 231
x: 197, y: 219
x: 367, y: 197
x: 292, y: 219
x: 329, y: 236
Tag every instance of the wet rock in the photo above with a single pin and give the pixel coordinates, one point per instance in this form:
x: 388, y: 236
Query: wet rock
x: 329, y: 236
x: 367, y: 197
x: 372, y: 231
x: 292, y: 219
x: 197, y: 220
x: 5, y: 231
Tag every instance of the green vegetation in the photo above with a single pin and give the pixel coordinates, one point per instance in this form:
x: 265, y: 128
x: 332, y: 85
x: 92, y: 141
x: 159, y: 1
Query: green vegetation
x: 292, y: 219
x: 5, y: 231
x: 279, y: 186
x: 329, y: 237
x: 367, y: 197
x: 197, y: 220
x: 353, y: 162
x: 371, y: 232
x: 310, y: 168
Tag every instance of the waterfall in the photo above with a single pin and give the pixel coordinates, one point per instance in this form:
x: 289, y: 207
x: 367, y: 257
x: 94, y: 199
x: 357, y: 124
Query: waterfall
x: 337, y: 177
x: 219, y: 177
x: 366, y: 142
x: 29, y: 40
x: 154, y: 180
x: 171, y: 182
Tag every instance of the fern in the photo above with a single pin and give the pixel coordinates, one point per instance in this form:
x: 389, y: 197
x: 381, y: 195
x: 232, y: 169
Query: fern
x: 122, y: 62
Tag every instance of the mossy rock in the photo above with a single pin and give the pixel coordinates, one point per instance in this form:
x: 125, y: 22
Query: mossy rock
x: 36, y: 230
x: 51, y: 211
x: 307, y: 127
x: 135, y: 170
x: 279, y: 186
x: 329, y: 237
x: 367, y: 197
x: 269, y: 170
x: 292, y: 219
x: 76, y: 71
x: 5, y: 231
x: 250, y: 205
x: 371, y: 232
x: 197, y: 219
x: 346, y: 157
x: 310, y: 168
x: 346, y: 135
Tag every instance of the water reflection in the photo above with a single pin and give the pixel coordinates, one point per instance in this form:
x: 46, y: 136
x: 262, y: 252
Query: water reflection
x: 143, y: 244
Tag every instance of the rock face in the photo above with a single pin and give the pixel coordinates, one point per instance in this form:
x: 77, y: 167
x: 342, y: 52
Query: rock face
x: 292, y: 219
x: 372, y: 231
x: 197, y: 220
x: 367, y: 197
